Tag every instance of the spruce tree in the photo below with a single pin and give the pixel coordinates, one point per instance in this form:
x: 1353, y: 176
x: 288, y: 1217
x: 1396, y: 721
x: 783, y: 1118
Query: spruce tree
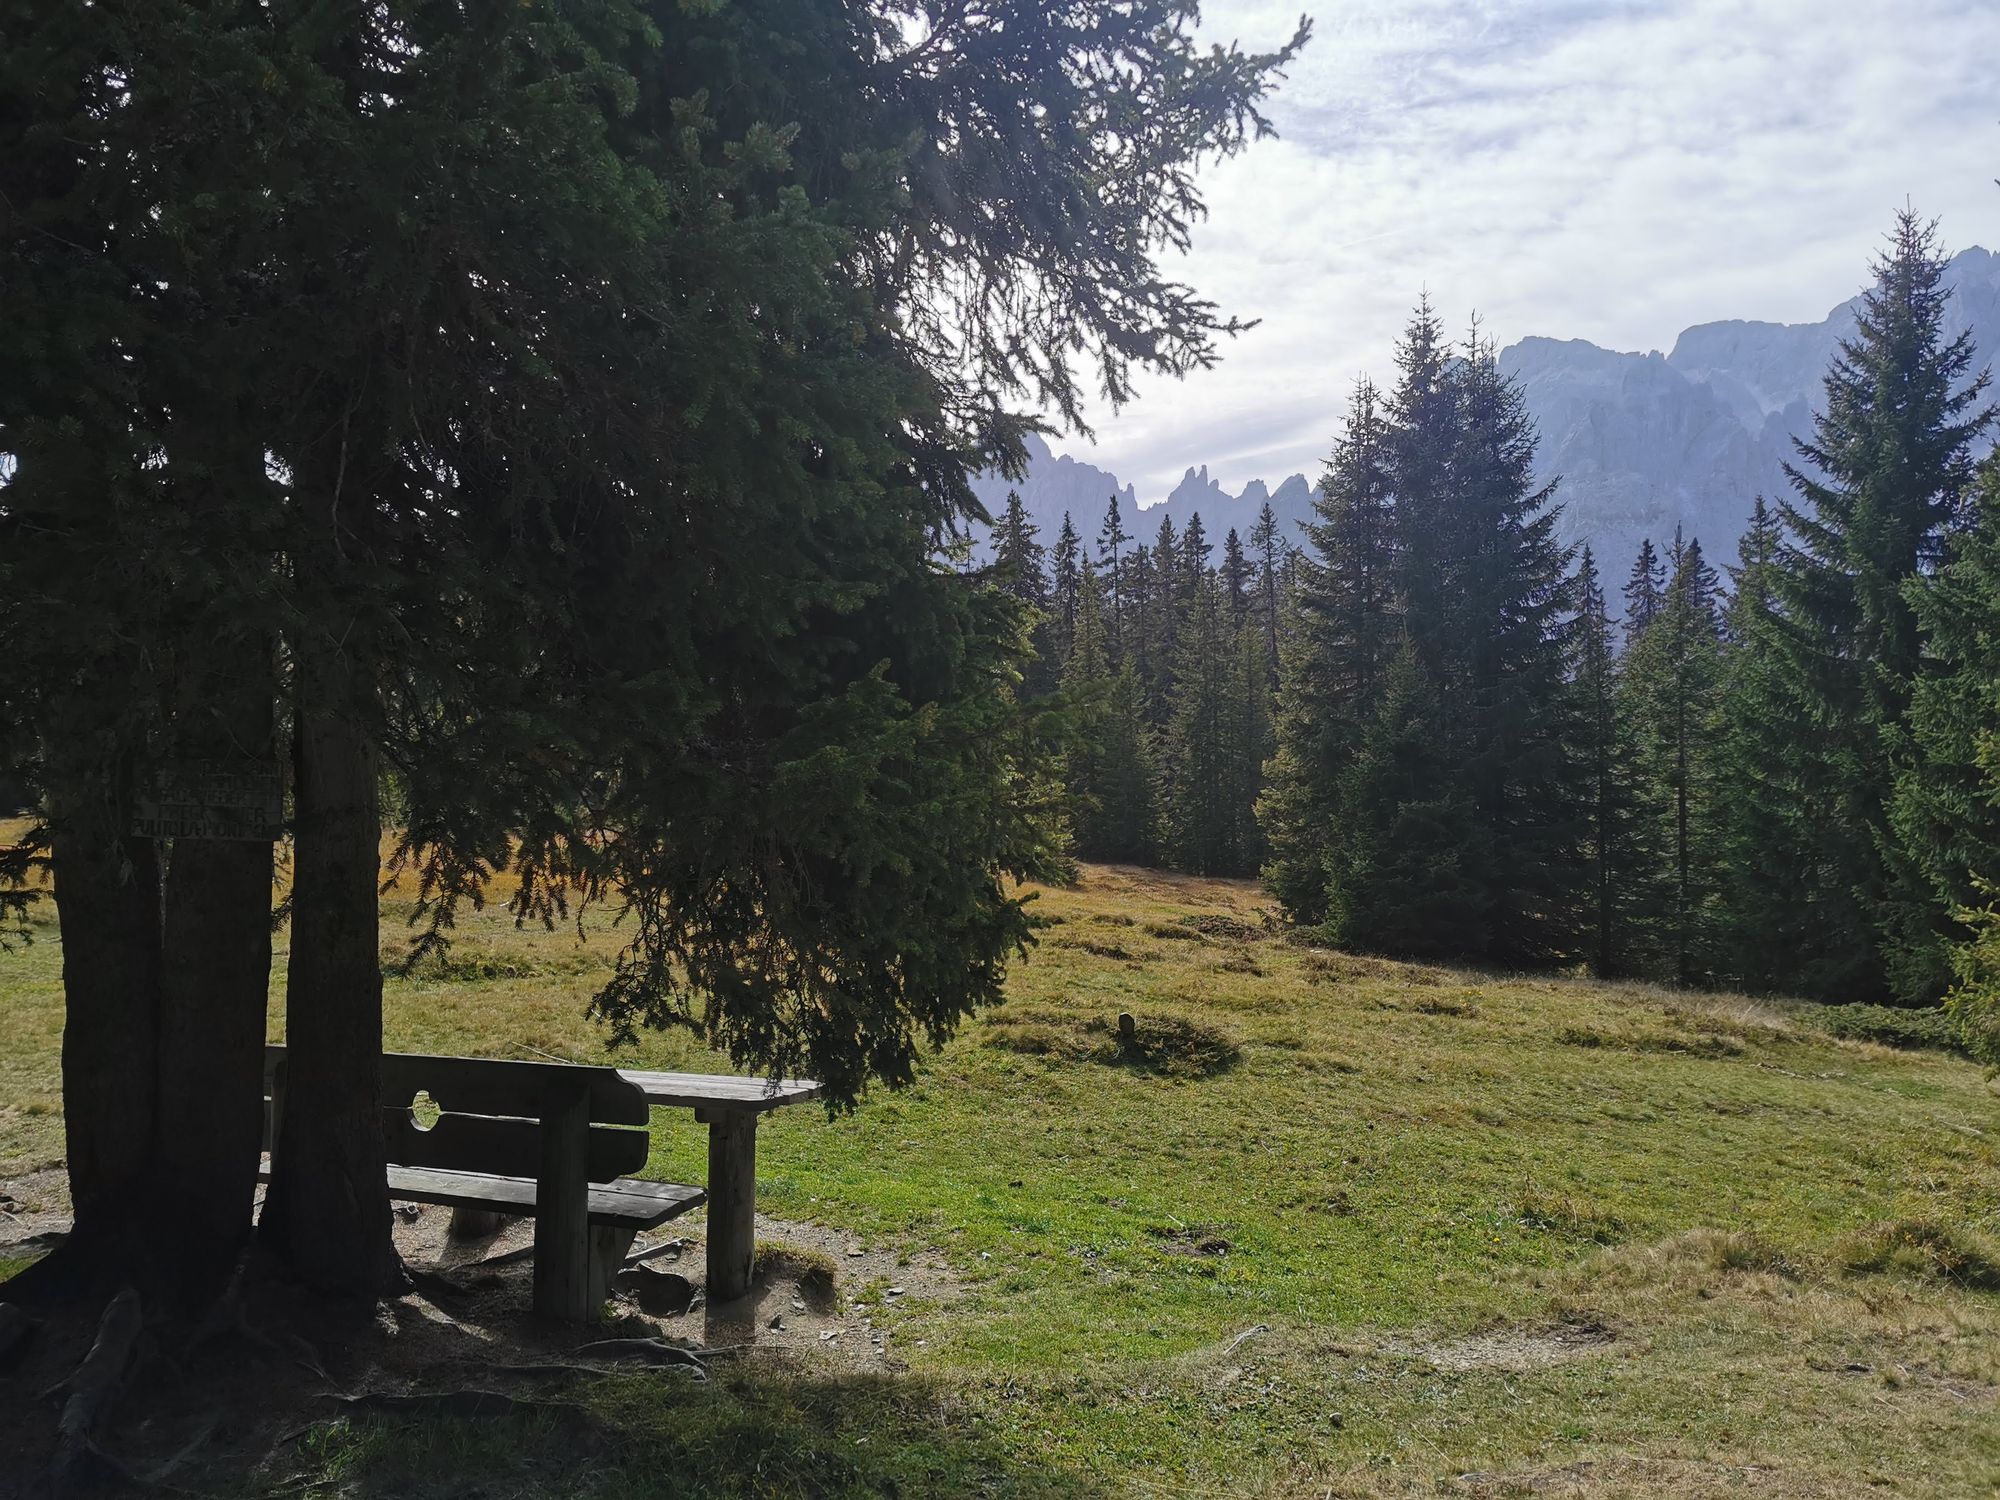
x: 1503, y: 638
x: 1111, y: 539
x: 1236, y: 578
x: 1143, y: 601
x: 1644, y: 589
x: 1409, y: 873
x: 1064, y: 579
x: 1606, y: 758
x: 1195, y: 552
x: 1019, y: 560
x: 1344, y: 628
x: 1204, y: 741
x: 1945, y: 814
x: 1672, y: 680
x: 1880, y: 484
x: 576, y: 433
x: 1269, y: 548
x: 1762, y: 891
x: 1108, y: 769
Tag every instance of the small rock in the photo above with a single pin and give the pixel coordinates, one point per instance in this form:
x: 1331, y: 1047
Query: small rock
x: 894, y: 1291
x: 798, y: 1306
x: 664, y: 1294
x: 855, y: 1252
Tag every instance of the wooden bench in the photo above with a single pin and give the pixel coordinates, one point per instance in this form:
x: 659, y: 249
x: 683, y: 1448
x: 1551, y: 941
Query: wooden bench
x: 551, y: 1140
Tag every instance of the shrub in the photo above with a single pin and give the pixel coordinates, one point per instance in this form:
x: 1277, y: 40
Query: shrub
x: 1924, y: 1248
x: 1566, y: 1217
x: 1933, y: 1028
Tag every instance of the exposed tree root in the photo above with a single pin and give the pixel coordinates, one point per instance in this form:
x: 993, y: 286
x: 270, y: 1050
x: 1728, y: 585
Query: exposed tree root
x: 17, y: 1331
x: 93, y: 1390
x: 645, y: 1351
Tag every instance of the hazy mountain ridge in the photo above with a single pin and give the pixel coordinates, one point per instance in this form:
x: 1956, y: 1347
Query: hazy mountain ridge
x: 1641, y: 442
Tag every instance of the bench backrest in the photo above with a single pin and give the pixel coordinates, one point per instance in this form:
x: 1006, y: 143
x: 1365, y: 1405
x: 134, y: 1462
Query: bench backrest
x: 491, y: 1113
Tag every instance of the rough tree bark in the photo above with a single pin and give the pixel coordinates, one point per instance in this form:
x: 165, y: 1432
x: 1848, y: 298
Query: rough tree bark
x: 107, y: 895
x: 215, y: 985
x: 328, y: 1208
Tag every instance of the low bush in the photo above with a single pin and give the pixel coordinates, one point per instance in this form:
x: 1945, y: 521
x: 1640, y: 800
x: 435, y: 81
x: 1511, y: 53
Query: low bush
x: 1922, y: 1248
x: 1892, y: 1027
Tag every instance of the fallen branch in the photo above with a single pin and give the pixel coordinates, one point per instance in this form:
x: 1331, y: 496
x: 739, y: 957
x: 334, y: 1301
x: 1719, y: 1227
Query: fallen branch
x: 665, y: 1247
x: 1237, y: 1343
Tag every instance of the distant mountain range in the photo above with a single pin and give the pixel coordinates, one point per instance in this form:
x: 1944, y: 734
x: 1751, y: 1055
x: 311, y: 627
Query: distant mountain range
x: 1641, y: 442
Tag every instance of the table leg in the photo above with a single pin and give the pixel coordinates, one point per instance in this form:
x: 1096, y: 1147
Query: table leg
x: 562, y: 1209
x: 732, y: 1203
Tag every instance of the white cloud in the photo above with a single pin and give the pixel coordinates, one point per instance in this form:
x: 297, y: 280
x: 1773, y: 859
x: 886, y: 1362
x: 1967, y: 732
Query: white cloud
x: 1576, y: 168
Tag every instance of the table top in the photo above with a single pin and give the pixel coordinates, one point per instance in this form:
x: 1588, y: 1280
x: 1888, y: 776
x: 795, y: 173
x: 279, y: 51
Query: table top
x: 720, y: 1091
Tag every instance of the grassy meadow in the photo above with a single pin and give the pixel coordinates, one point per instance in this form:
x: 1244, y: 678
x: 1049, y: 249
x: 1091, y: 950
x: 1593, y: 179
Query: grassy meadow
x: 1328, y: 1225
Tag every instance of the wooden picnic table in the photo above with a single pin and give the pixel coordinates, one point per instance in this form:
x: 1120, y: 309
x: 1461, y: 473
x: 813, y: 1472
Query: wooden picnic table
x: 730, y: 1108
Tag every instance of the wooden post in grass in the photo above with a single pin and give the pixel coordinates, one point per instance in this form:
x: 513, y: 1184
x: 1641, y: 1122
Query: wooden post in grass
x: 732, y: 1202
x: 562, y: 1205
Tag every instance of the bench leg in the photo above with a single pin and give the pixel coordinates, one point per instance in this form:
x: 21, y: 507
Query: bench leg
x: 608, y: 1244
x: 562, y: 1209
x: 732, y: 1204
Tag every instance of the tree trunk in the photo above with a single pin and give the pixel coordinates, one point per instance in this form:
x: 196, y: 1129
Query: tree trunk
x: 107, y: 893
x: 328, y: 1209
x: 215, y: 985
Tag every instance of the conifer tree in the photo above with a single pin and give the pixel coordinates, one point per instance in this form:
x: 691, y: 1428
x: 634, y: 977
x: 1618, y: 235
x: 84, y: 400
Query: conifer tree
x: 585, y: 420
x: 1881, y: 482
x: 1170, y: 609
x: 1204, y: 741
x: 1108, y: 770
x: 1945, y: 814
x: 1111, y: 539
x: 1064, y: 579
x: 1019, y: 560
x: 1143, y: 601
x: 1195, y: 552
x: 1345, y: 614
x: 1019, y: 566
x: 1424, y: 423
x: 1504, y: 639
x: 1644, y: 590
x: 1409, y: 873
x: 1254, y: 744
x: 1672, y: 681
x: 1761, y: 891
x: 1606, y: 756
x: 1235, y: 576
x: 1269, y: 548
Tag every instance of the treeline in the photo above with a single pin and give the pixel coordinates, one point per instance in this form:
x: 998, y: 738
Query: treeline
x: 1166, y: 656
x: 1783, y: 775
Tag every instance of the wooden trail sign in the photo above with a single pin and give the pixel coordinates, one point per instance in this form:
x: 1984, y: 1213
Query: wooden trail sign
x: 212, y: 799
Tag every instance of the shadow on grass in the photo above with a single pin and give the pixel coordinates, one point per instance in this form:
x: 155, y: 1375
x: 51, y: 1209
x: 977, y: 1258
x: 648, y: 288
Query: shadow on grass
x: 751, y: 1431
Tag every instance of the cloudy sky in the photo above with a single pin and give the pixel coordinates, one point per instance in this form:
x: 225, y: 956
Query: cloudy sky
x: 1613, y: 170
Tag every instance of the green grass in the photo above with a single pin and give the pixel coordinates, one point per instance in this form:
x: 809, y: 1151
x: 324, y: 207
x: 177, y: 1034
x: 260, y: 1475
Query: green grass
x: 1603, y: 1239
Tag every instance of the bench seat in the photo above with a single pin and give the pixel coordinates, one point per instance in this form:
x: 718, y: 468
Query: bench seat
x: 627, y: 1203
